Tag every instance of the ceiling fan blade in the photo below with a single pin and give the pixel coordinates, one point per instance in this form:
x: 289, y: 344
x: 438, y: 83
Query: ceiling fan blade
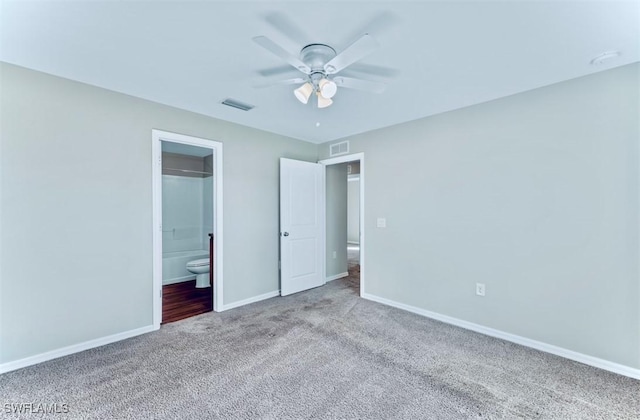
x: 286, y: 26
x: 373, y: 70
x: 351, y: 83
x: 295, y: 81
x: 276, y: 49
x: 364, y: 46
x: 275, y: 71
x: 378, y: 24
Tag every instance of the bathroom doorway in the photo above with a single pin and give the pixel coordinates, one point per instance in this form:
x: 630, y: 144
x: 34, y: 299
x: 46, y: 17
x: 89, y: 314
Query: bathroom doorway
x: 187, y: 235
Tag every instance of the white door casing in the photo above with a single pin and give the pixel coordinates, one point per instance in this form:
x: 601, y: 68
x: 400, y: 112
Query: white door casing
x: 158, y: 136
x: 302, y: 225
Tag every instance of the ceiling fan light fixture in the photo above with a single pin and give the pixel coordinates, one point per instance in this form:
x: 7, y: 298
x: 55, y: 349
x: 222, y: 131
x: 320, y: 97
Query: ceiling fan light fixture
x: 304, y: 92
x: 328, y: 88
x: 322, y: 101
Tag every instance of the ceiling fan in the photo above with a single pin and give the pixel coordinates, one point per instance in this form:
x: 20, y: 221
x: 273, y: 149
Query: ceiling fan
x: 320, y: 63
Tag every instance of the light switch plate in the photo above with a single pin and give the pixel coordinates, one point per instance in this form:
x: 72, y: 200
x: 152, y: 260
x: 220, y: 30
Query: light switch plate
x: 382, y: 222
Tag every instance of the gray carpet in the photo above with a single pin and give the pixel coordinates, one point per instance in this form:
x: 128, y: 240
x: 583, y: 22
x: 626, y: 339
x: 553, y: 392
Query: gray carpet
x: 322, y: 354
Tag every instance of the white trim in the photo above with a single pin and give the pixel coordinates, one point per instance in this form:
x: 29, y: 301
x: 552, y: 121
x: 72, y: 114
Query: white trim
x: 344, y: 159
x: 251, y: 300
x: 157, y: 136
x: 156, y: 192
x: 337, y: 276
x: 75, y: 348
x: 527, y: 342
x: 323, y: 228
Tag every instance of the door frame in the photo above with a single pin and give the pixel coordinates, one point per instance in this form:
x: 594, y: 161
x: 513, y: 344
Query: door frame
x: 344, y: 159
x: 157, y: 137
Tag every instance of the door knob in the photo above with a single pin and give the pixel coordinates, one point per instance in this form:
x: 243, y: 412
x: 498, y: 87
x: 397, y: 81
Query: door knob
x: 285, y: 234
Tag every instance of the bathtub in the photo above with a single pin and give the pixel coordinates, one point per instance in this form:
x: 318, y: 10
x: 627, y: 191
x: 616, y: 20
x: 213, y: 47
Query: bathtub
x: 174, y: 265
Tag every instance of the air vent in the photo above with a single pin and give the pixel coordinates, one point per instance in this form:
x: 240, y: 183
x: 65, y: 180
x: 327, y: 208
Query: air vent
x: 339, y: 148
x: 237, y: 104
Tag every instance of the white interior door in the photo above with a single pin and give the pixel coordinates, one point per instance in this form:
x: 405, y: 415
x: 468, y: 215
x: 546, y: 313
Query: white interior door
x: 301, y: 226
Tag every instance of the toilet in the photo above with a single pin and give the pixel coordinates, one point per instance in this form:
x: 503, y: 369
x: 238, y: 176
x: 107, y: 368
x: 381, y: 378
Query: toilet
x: 201, y: 269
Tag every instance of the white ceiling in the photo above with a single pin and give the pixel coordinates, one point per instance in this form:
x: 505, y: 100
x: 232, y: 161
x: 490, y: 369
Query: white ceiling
x: 193, y: 54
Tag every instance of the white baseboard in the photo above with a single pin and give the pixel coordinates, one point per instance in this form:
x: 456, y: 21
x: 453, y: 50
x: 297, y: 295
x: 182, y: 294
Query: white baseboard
x: 527, y: 342
x: 251, y: 300
x: 75, y: 348
x: 337, y: 276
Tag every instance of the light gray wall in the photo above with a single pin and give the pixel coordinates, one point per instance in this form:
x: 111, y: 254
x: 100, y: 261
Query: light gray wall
x: 76, y: 210
x: 353, y: 211
x: 336, y: 182
x: 535, y: 195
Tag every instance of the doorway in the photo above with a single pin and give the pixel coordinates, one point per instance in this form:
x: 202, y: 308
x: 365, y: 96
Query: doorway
x: 187, y: 226
x: 349, y: 247
x: 353, y: 222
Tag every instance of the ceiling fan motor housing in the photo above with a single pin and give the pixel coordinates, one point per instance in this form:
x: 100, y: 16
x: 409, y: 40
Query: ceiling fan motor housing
x: 316, y: 56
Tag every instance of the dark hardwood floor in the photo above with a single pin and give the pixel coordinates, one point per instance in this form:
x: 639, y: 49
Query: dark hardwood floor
x: 183, y: 300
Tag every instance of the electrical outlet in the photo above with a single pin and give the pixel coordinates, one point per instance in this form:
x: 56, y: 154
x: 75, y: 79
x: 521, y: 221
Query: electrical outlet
x: 480, y: 289
x: 335, y: 255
